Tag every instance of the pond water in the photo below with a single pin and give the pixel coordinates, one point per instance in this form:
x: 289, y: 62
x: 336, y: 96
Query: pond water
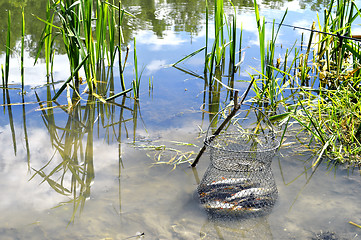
x: 91, y: 174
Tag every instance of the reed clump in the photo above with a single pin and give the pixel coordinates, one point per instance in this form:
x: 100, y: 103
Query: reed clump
x: 91, y: 33
x: 316, y: 85
x: 326, y: 86
x: 222, y: 56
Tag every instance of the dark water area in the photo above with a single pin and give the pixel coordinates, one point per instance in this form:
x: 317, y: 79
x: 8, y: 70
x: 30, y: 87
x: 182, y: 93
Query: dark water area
x: 92, y: 174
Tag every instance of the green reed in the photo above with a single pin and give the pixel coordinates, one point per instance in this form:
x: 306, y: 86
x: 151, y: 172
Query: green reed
x: 136, y: 81
x: 47, y: 39
x: 304, y: 63
x: 22, y: 50
x: 269, y: 89
x: 223, y: 50
x: 7, y: 53
x: 86, y: 48
x: 219, y: 33
x: 232, y: 35
x: 111, y: 35
x: 338, y: 19
x: 261, y: 27
x: 333, y: 120
x: 206, y: 39
x: 70, y: 23
x: 329, y: 112
x: 121, y: 13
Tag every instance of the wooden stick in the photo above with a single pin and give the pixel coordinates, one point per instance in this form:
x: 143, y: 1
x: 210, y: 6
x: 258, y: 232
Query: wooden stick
x: 236, y: 107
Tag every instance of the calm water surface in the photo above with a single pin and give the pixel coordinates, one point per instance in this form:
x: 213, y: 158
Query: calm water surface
x: 104, y: 184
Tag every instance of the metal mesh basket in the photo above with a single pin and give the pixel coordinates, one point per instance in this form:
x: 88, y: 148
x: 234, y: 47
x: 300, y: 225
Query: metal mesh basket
x: 239, y: 151
x: 239, y: 180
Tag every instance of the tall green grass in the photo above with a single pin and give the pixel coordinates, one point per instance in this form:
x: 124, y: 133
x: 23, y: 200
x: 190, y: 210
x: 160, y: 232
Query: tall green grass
x: 47, y: 40
x: 318, y: 86
x: 328, y: 107
x: 219, y: 55
x: 268, y: 88
x: 261, y: 27
x: 22, y: 51
x: 136, y: 81
x: 7, y: 53
x: 5, y: 82
x: 88, y: 31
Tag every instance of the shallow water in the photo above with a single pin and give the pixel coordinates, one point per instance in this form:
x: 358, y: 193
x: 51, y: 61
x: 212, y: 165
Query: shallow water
x: 121, y: 194
x: 137, y: 197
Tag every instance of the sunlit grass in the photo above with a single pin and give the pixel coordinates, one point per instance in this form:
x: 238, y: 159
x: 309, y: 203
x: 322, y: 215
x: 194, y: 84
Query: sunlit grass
x: 5, y: 71
x: 88, y: 30
x: 319, y: 87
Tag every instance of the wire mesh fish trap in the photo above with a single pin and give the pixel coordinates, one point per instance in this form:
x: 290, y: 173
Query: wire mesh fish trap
x: 239, y: 180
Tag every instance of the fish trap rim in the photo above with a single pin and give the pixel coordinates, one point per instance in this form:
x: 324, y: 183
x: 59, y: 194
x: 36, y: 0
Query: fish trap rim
x: 210, y: 142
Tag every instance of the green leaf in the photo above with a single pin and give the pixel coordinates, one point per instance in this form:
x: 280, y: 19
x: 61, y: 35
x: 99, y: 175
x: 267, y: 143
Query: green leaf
x: 279, y: 117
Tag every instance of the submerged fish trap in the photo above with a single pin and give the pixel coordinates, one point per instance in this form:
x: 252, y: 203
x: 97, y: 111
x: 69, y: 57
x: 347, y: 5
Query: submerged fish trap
x: 239, y: 180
